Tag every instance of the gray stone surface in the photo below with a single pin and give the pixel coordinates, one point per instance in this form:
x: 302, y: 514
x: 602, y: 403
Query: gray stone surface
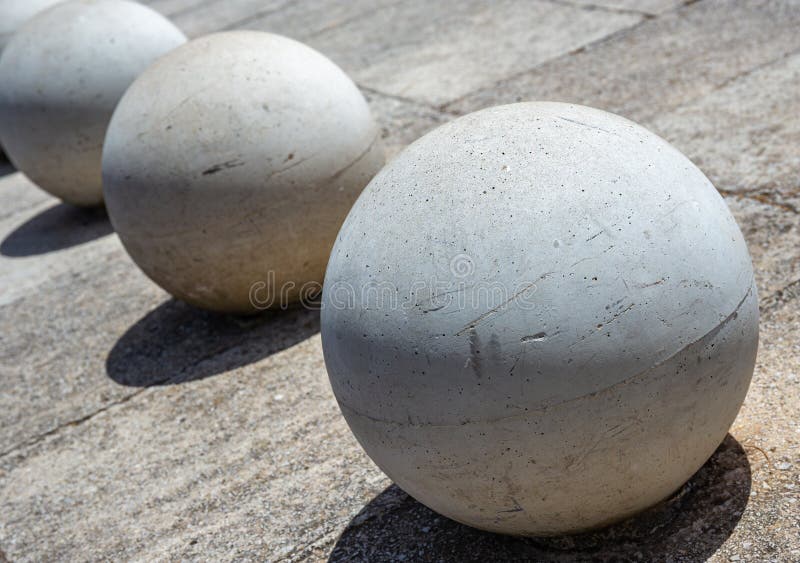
x: 746, y: 135
x: 61, y: 76
x: 649, y: 7
x: 773, y: 236
x: 230, y: 164
x: 137, y: 428
x: 15, y: 13
x: 563, y: 253
x: 431, y: 52
x: 446, y: 50
x: 660, y: 64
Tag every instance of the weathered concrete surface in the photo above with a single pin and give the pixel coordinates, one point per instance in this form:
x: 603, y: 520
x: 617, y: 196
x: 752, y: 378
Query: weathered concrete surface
x: 661, y: 63
x: 509, y: 418
x: 432, y: 52
x: 746, y: 135
x: 135, y: 427
x: 649, y: 7
x: 275, y: 164
x: 61, y: 76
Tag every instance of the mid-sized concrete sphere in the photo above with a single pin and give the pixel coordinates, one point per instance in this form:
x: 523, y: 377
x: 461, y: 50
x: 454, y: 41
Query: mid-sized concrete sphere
x: 230, y: 165
x: 540, y: 319
x: 14, y: 13
x: 61, y: 76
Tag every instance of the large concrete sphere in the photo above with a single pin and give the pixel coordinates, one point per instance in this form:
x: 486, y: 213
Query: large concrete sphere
x: 61, y: 75
x: 539, y: 319
x: 230, y: 165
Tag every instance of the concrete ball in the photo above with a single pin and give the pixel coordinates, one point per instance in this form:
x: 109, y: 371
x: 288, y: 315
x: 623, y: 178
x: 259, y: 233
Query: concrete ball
x: 540, y: 319
x: 14, y: 13
x: 230, y: 165
x: 61, y: 76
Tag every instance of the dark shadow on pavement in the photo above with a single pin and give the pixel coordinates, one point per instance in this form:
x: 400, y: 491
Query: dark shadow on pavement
x: 56, y: 228
x: 176, y: 343
x: 689, y: 526
x: 6, y: 167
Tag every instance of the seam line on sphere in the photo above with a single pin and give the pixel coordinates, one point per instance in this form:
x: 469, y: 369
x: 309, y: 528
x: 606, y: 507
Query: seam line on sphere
x: 710, y: 334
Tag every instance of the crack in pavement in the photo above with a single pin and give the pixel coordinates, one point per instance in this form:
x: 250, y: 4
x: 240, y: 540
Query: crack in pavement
x: 758, y: 195
x: 32, y: 441
x: 608, y: 9
x: 177, y: 378
x: 779, y: 298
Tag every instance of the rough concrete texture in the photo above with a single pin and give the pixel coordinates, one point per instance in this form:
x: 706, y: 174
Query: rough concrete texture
x: 536, y: 361
x: 256, y: 138
x: 61, y: 76
x: 14, y: 13
x: 134, y: 427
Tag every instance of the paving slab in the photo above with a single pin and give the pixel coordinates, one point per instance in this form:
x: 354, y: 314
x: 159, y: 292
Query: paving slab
x: 444, y: 51
x: 746, y: 135
x: 16, y: 193
x: 200, y: 18
x: 430, y: 52
x: 299, y: 20
x: 405, y: 61
x: 53, y: 340
x: 660, y: 64
x: 773, y: 239
x: 32, y: 241
x: 437, y: 51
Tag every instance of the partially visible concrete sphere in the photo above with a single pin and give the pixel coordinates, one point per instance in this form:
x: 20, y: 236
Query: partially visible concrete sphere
x: 230, y: 165
x: 539, y: 319
x: 61, y: 76
x: 14, y: 13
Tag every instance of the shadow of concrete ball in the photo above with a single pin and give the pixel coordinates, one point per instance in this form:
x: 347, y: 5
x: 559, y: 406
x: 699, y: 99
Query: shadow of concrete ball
x: 230, y: 165
x: 566, y: 323
x: 61, y: 75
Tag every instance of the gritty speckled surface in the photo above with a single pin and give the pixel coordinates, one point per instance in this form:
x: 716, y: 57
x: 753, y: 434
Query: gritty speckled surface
x: 61, y: 75
x: 230, y: 164
x: 134, y: 427
x: 554, y: 326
